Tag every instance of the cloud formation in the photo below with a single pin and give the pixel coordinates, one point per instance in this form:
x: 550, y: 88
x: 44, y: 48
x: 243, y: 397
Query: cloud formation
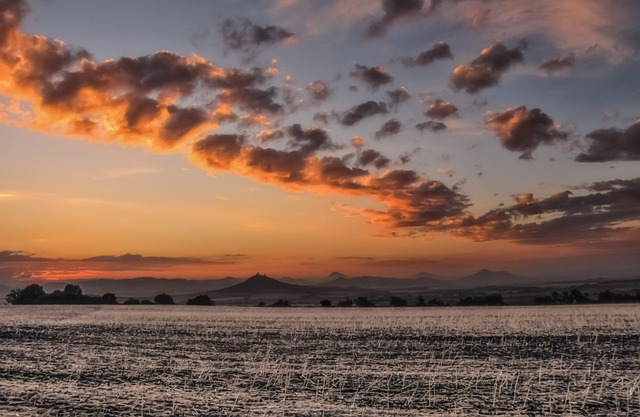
x: 389, y: 128
x: 441, y: 109
x: 373, y: 157
x: 554, y: 65
x: 166, y: 101
x: 374, y: 77
x: 410, y: 199
x: 392, y: 11
x: 431, y: 125
x: 397, y: 96
x: 244, y: 36
x: 318, y: 90
x: 362, y: 111
x: 593, y: 216
x: 486, y: 69
x: 440, y: 50
x: 523, y: 130
x: 18, y: 265
x: 132, y: 100
x: 613, y: 145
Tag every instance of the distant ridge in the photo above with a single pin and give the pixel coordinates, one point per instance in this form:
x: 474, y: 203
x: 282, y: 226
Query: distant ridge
x: 143, y: 287
x: 384, y: 282
x: 486, y: 277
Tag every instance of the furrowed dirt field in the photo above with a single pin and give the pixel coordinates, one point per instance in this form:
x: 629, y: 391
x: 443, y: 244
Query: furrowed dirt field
x: 216, y: 361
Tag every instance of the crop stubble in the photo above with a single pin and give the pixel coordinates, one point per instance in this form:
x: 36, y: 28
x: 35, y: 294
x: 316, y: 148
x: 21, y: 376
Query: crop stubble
x: 194, y: 361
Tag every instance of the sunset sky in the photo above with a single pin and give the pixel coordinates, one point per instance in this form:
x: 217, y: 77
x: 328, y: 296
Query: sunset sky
x: 205, y: 139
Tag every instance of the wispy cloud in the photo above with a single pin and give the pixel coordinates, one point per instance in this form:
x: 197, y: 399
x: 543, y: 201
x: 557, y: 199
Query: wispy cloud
x: 121, y: 172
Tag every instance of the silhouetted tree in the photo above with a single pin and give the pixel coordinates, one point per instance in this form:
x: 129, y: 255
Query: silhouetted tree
x: 420, y: 301
x: 163, y: 299
x: 345, y: 303
x: 56, y: 297
x: 579, y: 297
x: 109, y: 298
x: 488, y: 300
x: 73, y: 290
x: 31, y: 294
x: 200, y: 300
x: 325, y: 303
x: 132, y: 301
x: 398, y: 302
x: 434, y: 302
x: 261, y: 304
x: 147, y: 302
x: 281, y: 303
x: 364, y: 302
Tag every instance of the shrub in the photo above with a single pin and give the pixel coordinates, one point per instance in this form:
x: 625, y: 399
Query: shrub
x: 109, y: 298
x: 31, y: 294
x: 200, y: 300
x: 364, y: 302
x: 281, y: 303
x: 163, y: 299
x: 325, y: 303
x: 398, y: 302
x: 345, y: 303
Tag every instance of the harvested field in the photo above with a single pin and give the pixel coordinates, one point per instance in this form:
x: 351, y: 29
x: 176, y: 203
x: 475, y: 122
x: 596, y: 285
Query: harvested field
x: 210, y: 361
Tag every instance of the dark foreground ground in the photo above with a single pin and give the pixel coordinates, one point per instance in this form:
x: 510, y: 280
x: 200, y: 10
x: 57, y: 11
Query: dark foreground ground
x: 216, y: 361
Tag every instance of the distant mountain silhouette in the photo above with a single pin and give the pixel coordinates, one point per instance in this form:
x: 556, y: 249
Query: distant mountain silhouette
x: 422, y: 275
x: 486, y: 277
x: 384, y: 282
x: 336, y: 275
x: 260, y: 285
x: 297, y: 281
x: 144, y: 287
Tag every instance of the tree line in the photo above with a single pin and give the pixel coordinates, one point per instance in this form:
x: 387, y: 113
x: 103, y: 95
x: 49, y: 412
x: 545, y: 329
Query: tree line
x: 576, y: 296
x: 72, y: 294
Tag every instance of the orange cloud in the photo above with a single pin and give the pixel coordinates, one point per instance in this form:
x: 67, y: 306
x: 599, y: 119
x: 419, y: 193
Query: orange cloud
x: 56, y: 88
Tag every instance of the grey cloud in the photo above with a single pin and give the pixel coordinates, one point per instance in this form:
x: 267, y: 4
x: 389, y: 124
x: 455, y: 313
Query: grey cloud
x: 440, y: 50
x: 288, y: 165
x: 243, y: 35
x: 399, y: 95
x: 389, y: 128
x: 334, y: 172
x: 613, y: 145
x: 318, y: 90
x: 523, y: 130
x: 11, y: 256
x: 362, y: 111
x: 254, y: 100
x: 431, y: 125
x: 372, y: 76
x: 441, y: 109
x: 324, y: 116
x: 393, y: 10
x: 310, y: 140
x: 575, y: 218
x: 370, y: 156
x: 486, y: 69
x: 558, y: 64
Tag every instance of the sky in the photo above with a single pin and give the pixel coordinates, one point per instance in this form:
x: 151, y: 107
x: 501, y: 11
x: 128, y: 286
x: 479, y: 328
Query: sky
x: 300, y: 137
